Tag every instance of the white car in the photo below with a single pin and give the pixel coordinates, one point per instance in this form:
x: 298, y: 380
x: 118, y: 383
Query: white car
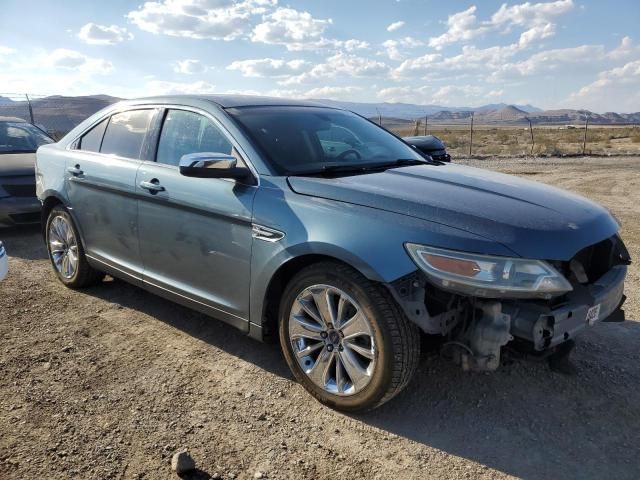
x: 4, y: 262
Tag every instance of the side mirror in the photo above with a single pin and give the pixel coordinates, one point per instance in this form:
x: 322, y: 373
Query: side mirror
x: 211, y: 165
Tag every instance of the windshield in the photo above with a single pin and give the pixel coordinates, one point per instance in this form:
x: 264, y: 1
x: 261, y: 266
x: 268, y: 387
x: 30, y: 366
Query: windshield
x: 21, y: 137
x: 299, y: 140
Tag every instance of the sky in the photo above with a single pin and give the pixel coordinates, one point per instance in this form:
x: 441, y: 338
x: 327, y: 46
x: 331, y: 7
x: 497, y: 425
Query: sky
x: 551, y: 54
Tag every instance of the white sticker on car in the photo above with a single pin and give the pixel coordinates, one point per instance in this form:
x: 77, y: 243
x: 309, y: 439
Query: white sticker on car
x: 593, y: 314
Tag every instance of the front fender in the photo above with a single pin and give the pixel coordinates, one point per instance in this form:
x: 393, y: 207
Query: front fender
x: 368, y: 239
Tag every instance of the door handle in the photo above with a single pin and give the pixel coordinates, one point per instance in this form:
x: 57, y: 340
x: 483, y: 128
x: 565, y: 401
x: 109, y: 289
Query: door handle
x: 153, y: 186
x: 75, y: 171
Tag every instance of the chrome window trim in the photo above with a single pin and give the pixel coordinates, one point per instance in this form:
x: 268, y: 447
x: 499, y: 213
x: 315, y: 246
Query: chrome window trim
x: 168, y: 106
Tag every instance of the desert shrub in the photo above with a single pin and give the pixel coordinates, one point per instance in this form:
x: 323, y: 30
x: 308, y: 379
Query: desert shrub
x: 635, y: 139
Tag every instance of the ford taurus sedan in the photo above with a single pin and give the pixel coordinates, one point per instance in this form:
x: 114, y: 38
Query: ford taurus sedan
x: 19, y: 141
x: 310, y: 224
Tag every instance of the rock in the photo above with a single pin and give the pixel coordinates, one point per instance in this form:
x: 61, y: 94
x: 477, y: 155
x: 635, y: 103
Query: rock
x: 181, y: 462
x: 258, y: 475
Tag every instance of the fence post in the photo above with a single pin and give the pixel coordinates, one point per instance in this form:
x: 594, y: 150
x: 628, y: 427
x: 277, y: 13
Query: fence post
x: 531, y: 131
x: 584, y: 139
x: 30, y: 109
x: 379, y: 117
x: 471, y: 135
x: 426, y: 125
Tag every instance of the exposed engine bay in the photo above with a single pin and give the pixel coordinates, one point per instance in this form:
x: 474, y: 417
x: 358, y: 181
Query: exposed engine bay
x: 475, y: 330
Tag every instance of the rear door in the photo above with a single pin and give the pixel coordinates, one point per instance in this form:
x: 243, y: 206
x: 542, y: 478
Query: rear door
x: 195, y: 233
x: 100, y: 177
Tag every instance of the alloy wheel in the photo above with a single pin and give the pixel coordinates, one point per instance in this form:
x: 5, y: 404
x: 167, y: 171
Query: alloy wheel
x: 332, y: 340
x: 63, y: 246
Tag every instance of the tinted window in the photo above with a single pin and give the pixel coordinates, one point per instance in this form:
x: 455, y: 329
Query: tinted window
x: 126, y: 132
x: 21, y: 137
x: 91, y: 140
x: 187, y: 132
x: 307, y: 139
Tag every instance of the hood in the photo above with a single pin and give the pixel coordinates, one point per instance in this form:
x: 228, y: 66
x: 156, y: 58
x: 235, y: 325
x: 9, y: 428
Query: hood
x: 531, y: 219
x: 426, y: 142
x: 17, y: 164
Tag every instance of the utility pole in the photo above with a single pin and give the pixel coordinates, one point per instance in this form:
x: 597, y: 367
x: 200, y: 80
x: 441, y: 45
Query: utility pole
x: 531, y: 131
x: 30, y: 109
x: 471, y: 135
x: 584, y: 139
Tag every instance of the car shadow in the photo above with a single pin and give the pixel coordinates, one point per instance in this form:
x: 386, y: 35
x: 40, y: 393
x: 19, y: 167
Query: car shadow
x: 522, y: 420
x: 24, y: 242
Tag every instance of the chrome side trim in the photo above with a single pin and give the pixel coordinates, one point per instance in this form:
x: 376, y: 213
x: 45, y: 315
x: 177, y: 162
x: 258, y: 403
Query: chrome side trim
x: 109, y: 265
x: 267, y: 234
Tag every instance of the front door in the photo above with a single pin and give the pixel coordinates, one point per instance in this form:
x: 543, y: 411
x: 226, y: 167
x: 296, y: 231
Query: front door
x: 100, y: 176
x: 195, y: 233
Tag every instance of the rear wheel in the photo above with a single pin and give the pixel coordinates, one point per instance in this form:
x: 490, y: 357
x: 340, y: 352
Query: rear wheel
x: 345, y: 339
x: 66, y: 252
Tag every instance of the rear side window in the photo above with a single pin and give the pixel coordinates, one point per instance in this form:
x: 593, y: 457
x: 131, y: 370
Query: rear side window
x: 188, y: 132
x: 91, y: 140
x: 126, y: 132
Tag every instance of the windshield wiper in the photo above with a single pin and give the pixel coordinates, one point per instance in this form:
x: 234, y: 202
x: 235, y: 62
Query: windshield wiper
x: 365, y: 167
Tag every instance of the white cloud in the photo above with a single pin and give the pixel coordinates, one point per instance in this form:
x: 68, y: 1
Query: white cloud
x: 95, y: 34
x: 63, y: 58
x: 212, y: 19
x: 332, y: 92
x: 267, y: 67
x: 537, y: 18
x: 536, y: 33
x: 189, y: 67
x: 461, y: 26
x: 449, y: 95
x: 530, y: 14
x: 292, y: 28
x: 341, y: 63
x: 161, y: 87
x: 627, y: 50
x: 614, y: 90
x: 471, y: 60
x: 6, y: 51
x: 395, y: 26
x: 398, y: 49
x: 558, y: 59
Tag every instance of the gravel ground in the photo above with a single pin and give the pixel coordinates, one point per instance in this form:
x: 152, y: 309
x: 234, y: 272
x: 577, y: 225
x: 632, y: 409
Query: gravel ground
x: 110, y: 382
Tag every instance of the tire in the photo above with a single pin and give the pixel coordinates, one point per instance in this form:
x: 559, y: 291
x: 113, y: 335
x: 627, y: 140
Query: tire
x: 60, y: 244
x: 390, y: 341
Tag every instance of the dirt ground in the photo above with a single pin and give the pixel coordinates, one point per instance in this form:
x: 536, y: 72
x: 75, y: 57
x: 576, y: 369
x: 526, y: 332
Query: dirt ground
x: 111, y: 381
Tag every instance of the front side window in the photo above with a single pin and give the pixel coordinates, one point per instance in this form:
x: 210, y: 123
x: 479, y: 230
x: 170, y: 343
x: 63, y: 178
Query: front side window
x: 299, y: 140
x: 90, y: 141
x: 21, y: 137
x: 126, y: 132
x: 186, y: 132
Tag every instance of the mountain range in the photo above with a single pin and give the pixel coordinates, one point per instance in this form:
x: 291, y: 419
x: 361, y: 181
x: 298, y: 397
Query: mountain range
x: 62, y: 113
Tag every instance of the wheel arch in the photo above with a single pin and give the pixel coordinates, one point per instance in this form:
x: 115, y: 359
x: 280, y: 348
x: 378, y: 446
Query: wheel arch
x: 51, y: 200
x: 281, y: 277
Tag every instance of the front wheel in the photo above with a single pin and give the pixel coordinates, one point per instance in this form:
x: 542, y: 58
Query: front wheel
x: 345, y: 339
x: 66, y: 252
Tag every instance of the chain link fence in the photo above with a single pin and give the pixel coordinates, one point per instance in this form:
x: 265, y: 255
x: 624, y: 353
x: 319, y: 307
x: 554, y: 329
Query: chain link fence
x: 465, y: 137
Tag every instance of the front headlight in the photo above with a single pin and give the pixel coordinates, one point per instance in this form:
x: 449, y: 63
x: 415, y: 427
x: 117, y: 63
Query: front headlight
x: 488, y: 276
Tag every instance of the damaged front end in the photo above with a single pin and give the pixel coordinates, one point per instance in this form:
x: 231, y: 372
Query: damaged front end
x: 535, y: 315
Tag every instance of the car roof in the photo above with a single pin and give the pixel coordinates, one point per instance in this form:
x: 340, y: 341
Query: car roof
x: 234, y: 101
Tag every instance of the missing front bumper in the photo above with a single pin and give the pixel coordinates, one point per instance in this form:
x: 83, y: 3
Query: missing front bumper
x: 547, y: 327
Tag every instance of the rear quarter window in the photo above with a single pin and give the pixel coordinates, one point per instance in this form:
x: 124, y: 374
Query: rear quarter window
x: 90, y: 141
x: 126, y: 132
